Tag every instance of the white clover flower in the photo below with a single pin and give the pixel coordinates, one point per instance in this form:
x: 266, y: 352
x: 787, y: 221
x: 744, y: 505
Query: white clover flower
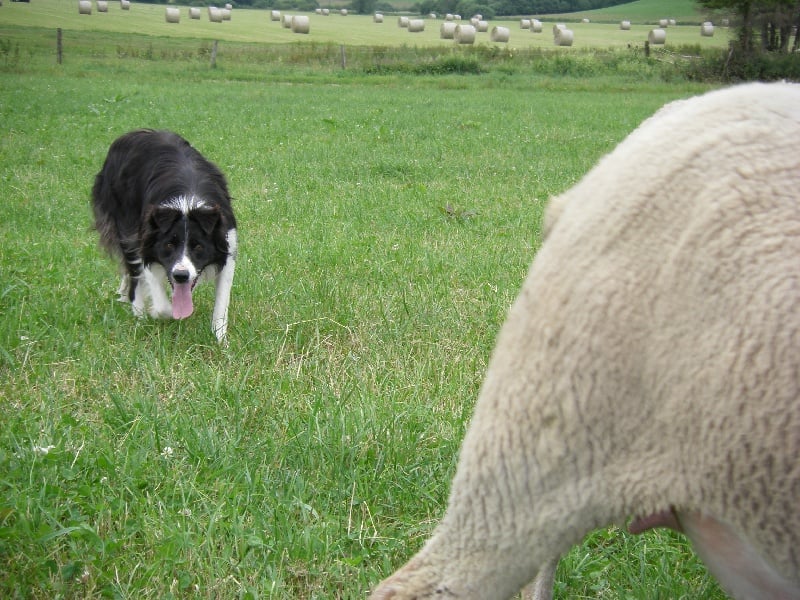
x: 42, y: 450
x: 167, y: 452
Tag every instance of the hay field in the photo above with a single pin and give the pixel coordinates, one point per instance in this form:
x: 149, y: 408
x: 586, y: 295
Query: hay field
x: 249, y: 25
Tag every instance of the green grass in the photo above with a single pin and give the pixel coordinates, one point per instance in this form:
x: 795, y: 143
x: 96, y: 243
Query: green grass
x: 647, y: 12
x: 386, y: 224
x: 249, y: 25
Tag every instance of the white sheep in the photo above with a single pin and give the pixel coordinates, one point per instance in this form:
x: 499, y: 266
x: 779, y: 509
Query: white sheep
x: 650, y: 367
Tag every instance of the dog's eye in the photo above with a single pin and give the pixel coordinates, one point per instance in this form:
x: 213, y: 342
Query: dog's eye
x: 198, y: 248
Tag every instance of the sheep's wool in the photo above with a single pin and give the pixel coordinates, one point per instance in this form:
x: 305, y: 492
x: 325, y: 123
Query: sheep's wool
x: 650, y: 366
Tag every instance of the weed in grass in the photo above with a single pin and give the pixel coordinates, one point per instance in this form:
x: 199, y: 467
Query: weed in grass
x: 9, y: 52
x: 458, y: 214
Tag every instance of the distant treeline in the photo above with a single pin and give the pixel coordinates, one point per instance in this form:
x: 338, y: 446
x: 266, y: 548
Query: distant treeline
x: 491, y: 8
x: 467, y: 8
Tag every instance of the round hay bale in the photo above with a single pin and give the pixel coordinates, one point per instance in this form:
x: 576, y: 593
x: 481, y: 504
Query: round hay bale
x: 317, y: 11
x: 229, y: 6
x: 377, y: 18
x: 172, y: 14
x: 447, y: 30
x: 464, y: 34
x: 657, y: 37
x: 707, y: 30
x: 448, y: 17
x: 585, y: 20
x: 663, y: 23
x: 431, y: 15
x: 226, y: 14
x: 416, y: 25
x: 557, y: 27
x: 326, y: 12
x: 125, y: 4
x: 286, y: 21
x: 403, y: 21
x: 194, y: 12
x: 482, y: 26
x: 343, y: 12
x: 275, y: 15
x: 456, y: 17
x: 524, y: 23
x: 500, y: 34
x: 672, y: 22
x: 301, y: 24
x: 84, y: 7
x: 536, y: 26
x: 214, y: 14
x: 564, y: 37
x: 625, y: 25
x: 102, y: 6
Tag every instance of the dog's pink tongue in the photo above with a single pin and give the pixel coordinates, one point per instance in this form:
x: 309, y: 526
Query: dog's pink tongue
x: 182, y: 300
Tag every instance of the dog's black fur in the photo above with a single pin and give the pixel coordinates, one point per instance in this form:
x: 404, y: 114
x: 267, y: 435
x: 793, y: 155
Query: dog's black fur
x: 159, y: 203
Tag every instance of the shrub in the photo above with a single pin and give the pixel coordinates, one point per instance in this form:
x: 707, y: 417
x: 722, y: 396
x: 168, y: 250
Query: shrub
x: 460, y: 65
x: 737, y: 66
x: 448, y: 65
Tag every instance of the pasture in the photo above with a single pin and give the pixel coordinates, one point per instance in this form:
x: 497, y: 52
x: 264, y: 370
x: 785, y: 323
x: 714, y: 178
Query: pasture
x: 248, y: 25
x: 386, y: 223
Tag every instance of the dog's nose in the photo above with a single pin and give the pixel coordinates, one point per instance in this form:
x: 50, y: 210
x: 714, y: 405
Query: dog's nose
x: 180, y: 275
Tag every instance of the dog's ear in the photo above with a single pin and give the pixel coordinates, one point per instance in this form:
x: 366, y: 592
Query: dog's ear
x: 162, y: 219
x: 206, y: 218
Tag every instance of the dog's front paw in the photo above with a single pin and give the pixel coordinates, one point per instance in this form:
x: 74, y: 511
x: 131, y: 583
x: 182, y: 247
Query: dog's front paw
x: 138, y: 310
x: 161, y: 312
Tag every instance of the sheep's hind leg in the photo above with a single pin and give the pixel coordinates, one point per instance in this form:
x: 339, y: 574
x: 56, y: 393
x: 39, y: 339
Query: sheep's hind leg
x: 738, y: 566
x: 542, y: 586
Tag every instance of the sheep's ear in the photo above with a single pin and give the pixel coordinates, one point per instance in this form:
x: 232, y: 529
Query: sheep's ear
x: 162, y: 218
x: 207, y: 219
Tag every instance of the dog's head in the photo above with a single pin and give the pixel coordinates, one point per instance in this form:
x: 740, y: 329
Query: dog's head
x: 185, y: 237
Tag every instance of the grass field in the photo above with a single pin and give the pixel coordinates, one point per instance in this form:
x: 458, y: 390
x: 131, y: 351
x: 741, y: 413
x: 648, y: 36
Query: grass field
x: 648, y: 12
x: 386, y: 223
x: 248, y: 25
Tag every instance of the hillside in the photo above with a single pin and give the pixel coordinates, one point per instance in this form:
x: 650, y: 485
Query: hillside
x: 645, y: 11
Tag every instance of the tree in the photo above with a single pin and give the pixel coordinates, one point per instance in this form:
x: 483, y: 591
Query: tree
x: 773, y: 20
x: 363, y: 7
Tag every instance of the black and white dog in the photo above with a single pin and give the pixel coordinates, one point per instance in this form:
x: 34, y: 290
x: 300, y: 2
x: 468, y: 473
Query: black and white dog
x: 165, y: 211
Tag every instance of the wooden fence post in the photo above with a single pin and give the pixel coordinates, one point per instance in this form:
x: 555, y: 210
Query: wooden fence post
x: 214, y: 54
x: 59, y: 53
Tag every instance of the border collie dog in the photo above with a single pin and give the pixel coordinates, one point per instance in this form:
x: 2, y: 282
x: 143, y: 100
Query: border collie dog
x: 165, y: 212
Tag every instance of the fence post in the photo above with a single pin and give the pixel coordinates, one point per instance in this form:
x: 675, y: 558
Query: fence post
x: 214, y: 54
x: 344, y: 58
x: 647, y: 48
x: 58, y: 45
